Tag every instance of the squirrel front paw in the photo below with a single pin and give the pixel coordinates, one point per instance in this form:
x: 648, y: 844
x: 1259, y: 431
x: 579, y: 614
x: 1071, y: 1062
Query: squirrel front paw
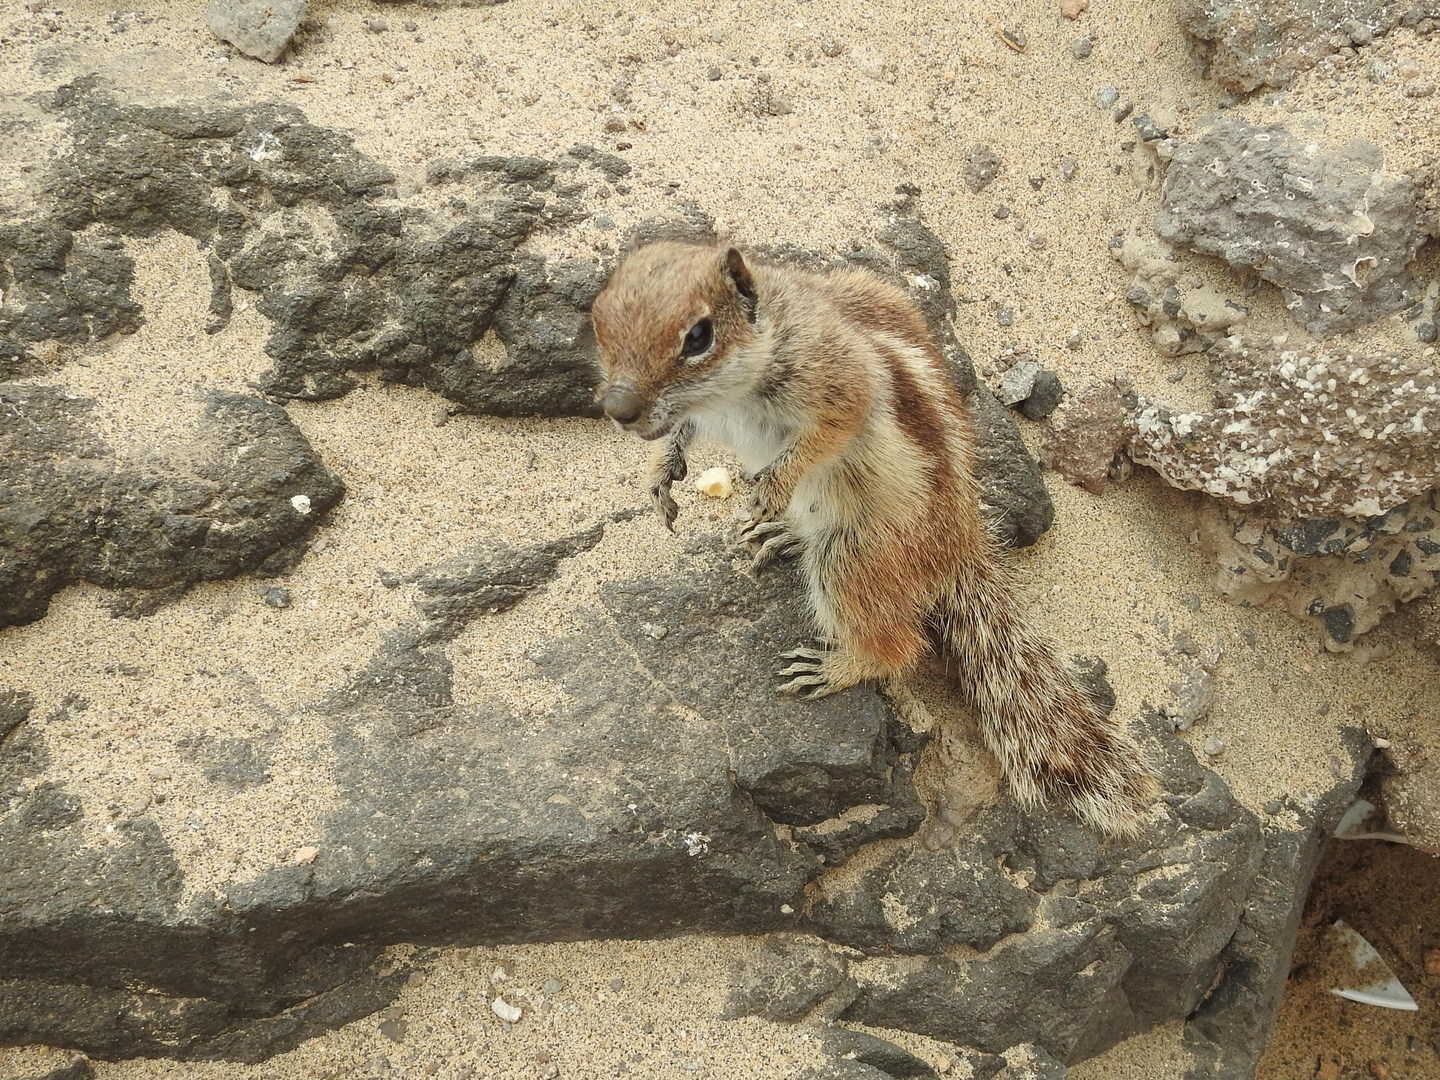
x: 769, y: 540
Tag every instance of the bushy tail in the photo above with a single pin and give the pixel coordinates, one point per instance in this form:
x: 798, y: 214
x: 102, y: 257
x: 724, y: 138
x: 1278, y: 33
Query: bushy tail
x: 1035, y: 716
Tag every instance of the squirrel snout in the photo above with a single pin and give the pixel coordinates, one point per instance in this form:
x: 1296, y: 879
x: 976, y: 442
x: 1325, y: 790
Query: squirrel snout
x: 622, y: 404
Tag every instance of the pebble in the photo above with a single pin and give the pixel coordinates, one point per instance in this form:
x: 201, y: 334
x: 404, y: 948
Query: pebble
x: 1109, y: 96
x: 1432, y: 961
x: 1214, y: 747
x: 505, y: 1011
x: 394, y: 1030
x: 655, y: 631
x: 552, y: 987
x: 394, y: 1012
x: 277, y: 597
x: 1274, y: 806
x: 304, y: 856
x: 604, y: 221
x: 717, y: 34
x: 1068, y: 165
x: 1001, y: 212
x: 1044, y: 399
x: 1005, y: 316
x: 712, y: 73
x: 1426, y: 332
x: 1015, y: 37
x: 139, y: 803
x: 1123, y: 111
x: 376, y: 26
x: 1080, y: 48
x: 388, y: 578
x: 1071, y: 9
x: 1177, y: 375
x: 617, y: 984
x: 440, y: 417
x: 1420, y: 88
x: 831, y: 47
x: 1037, y: 241
x: 415, y: 979
x: 1074, y: 340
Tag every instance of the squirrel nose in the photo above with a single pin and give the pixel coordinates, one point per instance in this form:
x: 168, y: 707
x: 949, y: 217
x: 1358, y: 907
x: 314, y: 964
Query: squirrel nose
x: 622, y: 404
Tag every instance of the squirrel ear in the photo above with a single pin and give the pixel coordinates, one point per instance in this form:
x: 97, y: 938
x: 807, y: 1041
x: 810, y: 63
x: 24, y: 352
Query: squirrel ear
x: 739, y: 275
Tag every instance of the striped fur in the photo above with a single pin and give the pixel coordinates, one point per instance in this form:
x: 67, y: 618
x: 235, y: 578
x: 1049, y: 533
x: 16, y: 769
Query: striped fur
x: 829, y: 388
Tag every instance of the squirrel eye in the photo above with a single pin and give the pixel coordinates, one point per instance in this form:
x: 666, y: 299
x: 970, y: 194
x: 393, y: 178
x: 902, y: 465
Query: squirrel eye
x: 699, y: 339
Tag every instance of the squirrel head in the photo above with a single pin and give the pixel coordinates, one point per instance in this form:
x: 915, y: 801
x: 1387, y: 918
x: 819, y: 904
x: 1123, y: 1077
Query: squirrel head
x: 669, y: 324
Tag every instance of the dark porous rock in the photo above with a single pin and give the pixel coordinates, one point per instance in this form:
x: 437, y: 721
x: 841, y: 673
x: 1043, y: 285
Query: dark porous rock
x: 57, y: 286
x: 258, y: 28
x: 1073, y: 943
x: 786, y: 979
x: 1327, y: 227
x: 70, y: 511
x: 843, y: 1069
x: 878, y: 1053
x: 1252, y: 43
x: 646, y: 801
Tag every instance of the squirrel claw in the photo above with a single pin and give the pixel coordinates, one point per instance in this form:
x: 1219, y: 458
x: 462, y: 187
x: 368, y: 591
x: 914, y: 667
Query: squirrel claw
x: 802, y: 653
x: 809, y: 687
x: 758, y: 529
x: 665, y: 504
x: 777, y: 547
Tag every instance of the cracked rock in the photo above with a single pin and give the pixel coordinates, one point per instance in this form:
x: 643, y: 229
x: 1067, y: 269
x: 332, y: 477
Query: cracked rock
x: 258, y: 28
x: 1328, y: 226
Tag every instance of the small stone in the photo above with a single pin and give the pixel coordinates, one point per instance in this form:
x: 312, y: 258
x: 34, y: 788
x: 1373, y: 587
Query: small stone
x: 394, y: 1030
x: 1068, y: 165
x: 410, y: 26
x: 304, y: 856
x: 943, y: 1065
x: 376, y: 26
x: 258, y: 28
x: 1073, y: 340
x: 542, y: 1057
x: 1005, y: 316
x: 617, y: 984
x: 1432, y: 961
x: 1125, y: 109
x: 1177, y: 375
x: 982, y: 165
x: 1109, y: 96
x: 1015, y: 37
x: 300, y: 504
x: 552, y: 987
x: 717, y: 34
x: 1037, y: 241
x: 1214, y: 747
x: 613, y: 124
x: 388, y: 578
x: 1420, y: 88
x: 1274, y: 806
x: 712, y: 73
x: 1001, y: 212
x: 505, y: 1011
x: 1328, y: 1069
x: 277, y: 597
x: 1081, y: 48
x: 394, y: 1012
x: 1426, y: 332
x: 139, y: 803
x: 1036, y: 183
x: 654, y: 630
x: 1071, y: 9
x: 1379, y: 1070
x: 830, y: 47
x: 1044, y: 398
x: 440, y: 417
x: 416, y: 979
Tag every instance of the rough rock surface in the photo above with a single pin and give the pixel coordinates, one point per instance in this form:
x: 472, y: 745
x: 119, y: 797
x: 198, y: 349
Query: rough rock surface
x: 1304, y: 434
x: 258, y: 28
x: 1084, y: 437
x: 1340, y: 574
x: 242, y: 495
x: 1184, y: 315
x: 456, y: 824
x: 1328, y: 226
x: 1252, y: 43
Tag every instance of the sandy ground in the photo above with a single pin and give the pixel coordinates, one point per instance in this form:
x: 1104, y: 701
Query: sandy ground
x: 910, y: 89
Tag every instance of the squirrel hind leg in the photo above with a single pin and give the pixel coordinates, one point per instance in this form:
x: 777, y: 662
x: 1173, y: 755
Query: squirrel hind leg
x: 817, y: 673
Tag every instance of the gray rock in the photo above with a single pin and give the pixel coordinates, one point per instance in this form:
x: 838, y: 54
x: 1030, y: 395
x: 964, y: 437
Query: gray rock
x: 78, y: 1069
x: 1044, y: 397
x: 890, y: 1059
x: 258, y: 28
x: 786, y: 979
x: 1015, y: 387
x: 455, y: 824
x: 70, y: 511
x: 1030, y: 1062
x: 981, y: 167
x: 1252, y: 43
x: 1327, y: 227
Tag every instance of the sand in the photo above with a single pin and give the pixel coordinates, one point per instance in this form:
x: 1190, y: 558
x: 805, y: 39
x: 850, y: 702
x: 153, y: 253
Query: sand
x: 912, y: 89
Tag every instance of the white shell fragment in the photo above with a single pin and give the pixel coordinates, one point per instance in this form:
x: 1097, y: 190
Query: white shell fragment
x: 1377, y: 983
x: 1363, y: 822
x: 715, y: 482
x: 301, y: 503
x: 505, y: 1011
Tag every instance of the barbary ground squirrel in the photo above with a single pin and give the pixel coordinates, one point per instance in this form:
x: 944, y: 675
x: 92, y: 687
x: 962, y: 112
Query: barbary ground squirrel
x: 830, y: 390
